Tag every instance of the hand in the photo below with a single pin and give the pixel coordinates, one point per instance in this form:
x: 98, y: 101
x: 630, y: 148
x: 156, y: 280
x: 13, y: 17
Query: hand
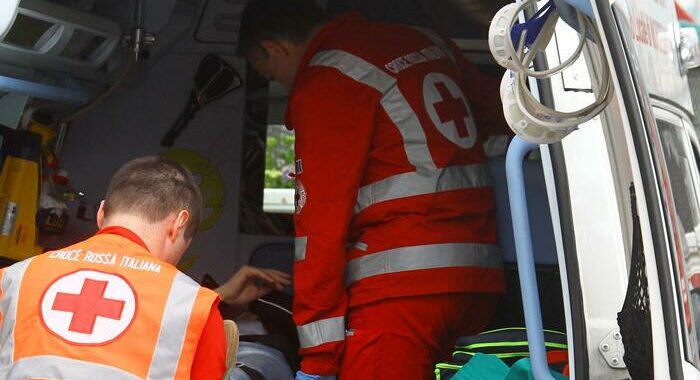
x: 250, y: 283
x: 306, y: 376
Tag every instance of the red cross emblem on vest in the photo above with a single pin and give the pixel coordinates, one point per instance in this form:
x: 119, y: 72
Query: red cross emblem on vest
x: 452, y: 109
x: 448, y: 109
x: 88, y: 307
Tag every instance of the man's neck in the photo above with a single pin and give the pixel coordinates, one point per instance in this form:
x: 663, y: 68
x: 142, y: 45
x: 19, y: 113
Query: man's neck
x: 149, y: 233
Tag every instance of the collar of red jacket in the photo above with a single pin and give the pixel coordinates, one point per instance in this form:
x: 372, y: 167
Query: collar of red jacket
x: 321, y: 35
x: 123, y: 232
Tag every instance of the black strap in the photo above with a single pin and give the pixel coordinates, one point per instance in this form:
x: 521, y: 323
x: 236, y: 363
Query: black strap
x: 252, y: 373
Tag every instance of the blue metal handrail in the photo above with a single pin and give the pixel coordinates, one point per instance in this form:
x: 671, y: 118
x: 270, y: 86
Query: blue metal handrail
x: 526, y: 263
x: 43, y: 91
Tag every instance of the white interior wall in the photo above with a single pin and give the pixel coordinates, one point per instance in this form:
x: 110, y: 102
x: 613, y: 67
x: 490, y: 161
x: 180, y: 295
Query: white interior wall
x: 131, y: 123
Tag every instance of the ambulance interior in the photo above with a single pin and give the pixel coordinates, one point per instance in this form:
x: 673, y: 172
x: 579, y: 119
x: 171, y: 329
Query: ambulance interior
x: 103, y: 81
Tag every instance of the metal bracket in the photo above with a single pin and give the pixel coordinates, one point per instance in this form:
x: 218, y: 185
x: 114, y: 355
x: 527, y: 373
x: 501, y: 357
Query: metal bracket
x: 613, y: 350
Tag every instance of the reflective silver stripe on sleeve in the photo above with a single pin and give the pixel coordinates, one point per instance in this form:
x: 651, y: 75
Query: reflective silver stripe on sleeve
x: 393, y: 101
x: 321, y: 332
x: 415, y: 183
x: 438, y: 41
x: 450, y: 255
x: 173, y: 327
x: 55, y: 367
x: 10, y: 283
x: 300, y: 248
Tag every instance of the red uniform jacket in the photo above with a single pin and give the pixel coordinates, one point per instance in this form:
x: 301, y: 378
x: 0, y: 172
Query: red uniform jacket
x: 393, y: 195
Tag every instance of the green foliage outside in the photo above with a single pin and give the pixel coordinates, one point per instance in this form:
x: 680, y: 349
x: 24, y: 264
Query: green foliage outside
x: 279, y: 158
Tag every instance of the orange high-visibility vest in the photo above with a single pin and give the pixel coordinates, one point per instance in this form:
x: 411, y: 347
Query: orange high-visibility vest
x: 101, y: 309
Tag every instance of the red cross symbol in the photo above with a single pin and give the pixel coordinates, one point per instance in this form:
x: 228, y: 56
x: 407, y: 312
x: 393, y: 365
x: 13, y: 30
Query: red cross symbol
x: 88, y: 305
x: 452, y: 109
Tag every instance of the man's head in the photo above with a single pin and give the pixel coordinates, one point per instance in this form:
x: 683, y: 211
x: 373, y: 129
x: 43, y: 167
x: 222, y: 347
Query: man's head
x: 158, y: 197
x: 274, y: 35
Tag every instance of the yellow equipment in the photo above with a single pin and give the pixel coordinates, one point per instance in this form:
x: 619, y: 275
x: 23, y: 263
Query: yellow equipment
x: 19, y: 193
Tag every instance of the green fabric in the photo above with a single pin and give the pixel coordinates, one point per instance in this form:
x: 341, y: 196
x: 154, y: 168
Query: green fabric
x: 483, y: 367
x: 490, y: 367
x: 522, y: 370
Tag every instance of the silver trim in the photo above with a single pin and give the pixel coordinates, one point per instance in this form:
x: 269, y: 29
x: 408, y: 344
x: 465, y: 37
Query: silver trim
x: 393, y: 101
x: 321, y: 332
x: 361, y: 246
x: 11, y: 282
x: 355, y: 68
x: 300, y: 248
x: 414, y: 183
x: 173, y: 327
x: 404, y: 117
x: 423, y: 257
x: 56, y: 367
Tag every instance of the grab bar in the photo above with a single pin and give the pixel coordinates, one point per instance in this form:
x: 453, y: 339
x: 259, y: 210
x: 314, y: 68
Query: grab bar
x: 517, y: 150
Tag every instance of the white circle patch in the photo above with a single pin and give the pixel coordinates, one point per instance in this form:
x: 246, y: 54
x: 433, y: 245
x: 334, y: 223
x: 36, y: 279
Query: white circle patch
x: 448, y: 109
x: 299, y: 197
x: 88, y: 307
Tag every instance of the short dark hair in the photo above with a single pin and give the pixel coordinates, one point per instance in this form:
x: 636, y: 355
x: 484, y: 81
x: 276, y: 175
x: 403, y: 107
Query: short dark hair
x: 153, y: 187
x: 291, y: 20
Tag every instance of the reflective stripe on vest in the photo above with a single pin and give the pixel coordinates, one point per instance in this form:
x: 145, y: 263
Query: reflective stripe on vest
x: 173, y: 327
x: 427, y: 178
x: 415, y: 183
x: 55, y: 367
x: 11, y: 281
x: 432, y: 256
x: 321, y: 332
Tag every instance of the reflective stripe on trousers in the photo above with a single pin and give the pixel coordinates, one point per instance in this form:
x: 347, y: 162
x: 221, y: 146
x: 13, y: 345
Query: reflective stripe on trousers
x: 432, y: 256
x: 321, y: 332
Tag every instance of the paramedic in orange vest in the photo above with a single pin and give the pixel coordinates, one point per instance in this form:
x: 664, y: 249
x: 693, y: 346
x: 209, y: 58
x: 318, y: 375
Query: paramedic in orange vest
x: 395, y: 222
x: 114, y: 306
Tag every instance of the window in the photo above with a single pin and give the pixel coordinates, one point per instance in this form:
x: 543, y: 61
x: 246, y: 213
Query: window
x: 682, y: 174
x: 29, y: 32
x: 267, y: 188
x: 83, y: 45
x: 279, y: 167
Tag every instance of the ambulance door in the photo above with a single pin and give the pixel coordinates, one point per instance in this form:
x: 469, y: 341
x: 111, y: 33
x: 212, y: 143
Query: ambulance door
x: 640, y: 39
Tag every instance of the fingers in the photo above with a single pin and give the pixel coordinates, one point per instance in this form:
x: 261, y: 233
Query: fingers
x: 274, y: 278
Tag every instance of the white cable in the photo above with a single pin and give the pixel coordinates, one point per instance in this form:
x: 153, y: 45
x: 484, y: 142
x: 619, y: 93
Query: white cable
x: 525, y: 114
x: 562, y: 120
x: 505, y: 53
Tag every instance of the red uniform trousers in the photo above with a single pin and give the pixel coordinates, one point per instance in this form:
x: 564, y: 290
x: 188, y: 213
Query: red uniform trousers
x: 403, y: 338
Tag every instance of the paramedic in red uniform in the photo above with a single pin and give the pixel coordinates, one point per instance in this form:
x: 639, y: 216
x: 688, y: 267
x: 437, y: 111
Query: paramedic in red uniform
x: 114, y: 306
x: 395, y: 250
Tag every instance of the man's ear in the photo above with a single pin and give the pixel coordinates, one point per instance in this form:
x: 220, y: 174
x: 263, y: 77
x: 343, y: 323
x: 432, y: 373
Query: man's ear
x: 275, y: 48
x: 179, y: 223
x: 101, y: 215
